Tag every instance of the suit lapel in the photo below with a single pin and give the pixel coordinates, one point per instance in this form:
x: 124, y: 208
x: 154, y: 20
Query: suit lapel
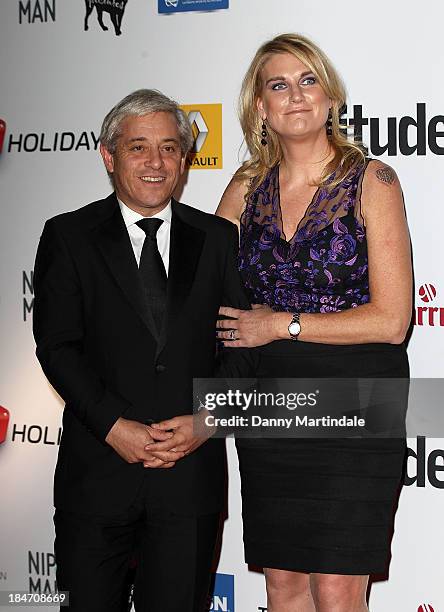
x: 186, y: 243
x: 112, y: 239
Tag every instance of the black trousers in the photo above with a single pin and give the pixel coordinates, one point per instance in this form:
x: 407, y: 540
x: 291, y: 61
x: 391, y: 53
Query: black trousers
x: 173, y: 556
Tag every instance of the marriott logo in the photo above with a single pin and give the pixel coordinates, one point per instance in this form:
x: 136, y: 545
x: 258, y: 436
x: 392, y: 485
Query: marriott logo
x: 428, y: 314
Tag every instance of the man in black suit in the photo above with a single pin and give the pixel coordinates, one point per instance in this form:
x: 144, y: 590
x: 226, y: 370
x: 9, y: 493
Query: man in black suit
x: 127, y: 291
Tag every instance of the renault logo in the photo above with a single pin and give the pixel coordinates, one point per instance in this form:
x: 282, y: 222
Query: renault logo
x: 200, y: 129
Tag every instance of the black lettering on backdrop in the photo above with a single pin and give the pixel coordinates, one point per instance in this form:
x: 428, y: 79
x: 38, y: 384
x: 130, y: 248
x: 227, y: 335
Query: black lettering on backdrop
x: 95, y: 140
x: 406, y: 136
x: 28, y: 282
x: 28, y: 293
x: 31, y: 143
x: 202, y: 161
x: 83, y: 141
x: 41, y: 566
x: 58, y: 141
x: 434, y: 135
x: 36, y: 434
x: 40, y: 562
x: 28, y: 307
x: 430, y: 466
x: 17, y: 143
x: 37, y: 11
x: 67, y: 141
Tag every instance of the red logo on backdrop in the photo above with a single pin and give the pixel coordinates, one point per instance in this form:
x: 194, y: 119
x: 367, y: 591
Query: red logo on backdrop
x: 2, y: 133
x: 427, y: 292
x: 4, y: 421
x: 426, y: 608
x: 431, y: 315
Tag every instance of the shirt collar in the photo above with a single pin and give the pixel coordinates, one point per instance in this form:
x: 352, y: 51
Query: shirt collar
x: 130, y: 217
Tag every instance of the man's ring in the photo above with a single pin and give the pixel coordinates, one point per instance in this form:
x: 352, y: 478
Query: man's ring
x: 232, y: 334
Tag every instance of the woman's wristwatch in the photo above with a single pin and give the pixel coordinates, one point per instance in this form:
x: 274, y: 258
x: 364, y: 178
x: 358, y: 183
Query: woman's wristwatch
x: 294, y: 329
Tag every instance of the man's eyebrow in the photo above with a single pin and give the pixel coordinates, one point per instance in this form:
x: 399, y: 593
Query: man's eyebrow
x: 282, y: 78
x: 172, y: 139
x: 144, y: 139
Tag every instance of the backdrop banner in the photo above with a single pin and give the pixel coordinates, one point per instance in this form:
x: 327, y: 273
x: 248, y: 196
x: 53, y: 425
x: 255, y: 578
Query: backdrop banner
x: 64, y: 65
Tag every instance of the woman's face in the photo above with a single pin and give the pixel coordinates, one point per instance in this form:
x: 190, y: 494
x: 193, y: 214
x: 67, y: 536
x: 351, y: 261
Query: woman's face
x: 292, y: 100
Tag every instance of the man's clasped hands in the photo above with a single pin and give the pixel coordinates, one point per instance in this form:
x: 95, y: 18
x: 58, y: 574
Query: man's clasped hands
x: 158, y: 445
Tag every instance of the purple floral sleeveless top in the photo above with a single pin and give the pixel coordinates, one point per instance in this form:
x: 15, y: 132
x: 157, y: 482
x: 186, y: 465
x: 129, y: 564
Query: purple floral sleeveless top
x: 323, y: 267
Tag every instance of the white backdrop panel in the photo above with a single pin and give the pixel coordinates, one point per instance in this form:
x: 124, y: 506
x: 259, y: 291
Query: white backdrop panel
x: 57, y: 78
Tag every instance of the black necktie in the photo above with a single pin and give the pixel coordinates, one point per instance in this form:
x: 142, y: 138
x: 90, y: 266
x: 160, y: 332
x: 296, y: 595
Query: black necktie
x: 152, y: 270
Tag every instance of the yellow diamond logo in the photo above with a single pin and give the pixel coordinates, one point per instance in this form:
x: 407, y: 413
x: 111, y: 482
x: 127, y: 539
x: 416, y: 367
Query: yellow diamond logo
x: 206, y: 124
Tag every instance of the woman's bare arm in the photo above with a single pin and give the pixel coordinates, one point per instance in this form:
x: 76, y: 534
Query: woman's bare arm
x: 232, y: 203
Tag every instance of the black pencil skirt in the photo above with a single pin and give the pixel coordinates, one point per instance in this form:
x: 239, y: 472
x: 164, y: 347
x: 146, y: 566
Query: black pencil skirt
x: 322, y: 505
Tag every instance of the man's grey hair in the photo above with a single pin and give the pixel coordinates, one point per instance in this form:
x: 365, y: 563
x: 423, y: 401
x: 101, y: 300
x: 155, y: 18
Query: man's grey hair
x: 139, y: 103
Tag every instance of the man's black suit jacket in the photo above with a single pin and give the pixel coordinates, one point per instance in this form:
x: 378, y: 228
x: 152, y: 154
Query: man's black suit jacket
x: 99, y: 349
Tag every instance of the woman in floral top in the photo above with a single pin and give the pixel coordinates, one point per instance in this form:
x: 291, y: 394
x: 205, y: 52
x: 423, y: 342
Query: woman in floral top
x: 325, y: 259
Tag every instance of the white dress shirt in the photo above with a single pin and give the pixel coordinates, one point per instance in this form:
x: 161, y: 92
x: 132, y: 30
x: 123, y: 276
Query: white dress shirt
x: 137, y: 235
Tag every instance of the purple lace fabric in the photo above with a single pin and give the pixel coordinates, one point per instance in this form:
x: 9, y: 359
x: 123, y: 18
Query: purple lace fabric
x: 323, y: 267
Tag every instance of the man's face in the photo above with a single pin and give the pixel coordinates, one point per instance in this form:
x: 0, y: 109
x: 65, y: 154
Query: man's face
x: 147, y: 162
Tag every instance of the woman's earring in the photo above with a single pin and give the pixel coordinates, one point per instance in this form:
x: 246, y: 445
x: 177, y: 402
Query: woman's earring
x: 264, y: 135
x: 329, y: 123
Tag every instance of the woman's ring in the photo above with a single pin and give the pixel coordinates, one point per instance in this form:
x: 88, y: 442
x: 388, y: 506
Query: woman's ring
x: 232, y: 334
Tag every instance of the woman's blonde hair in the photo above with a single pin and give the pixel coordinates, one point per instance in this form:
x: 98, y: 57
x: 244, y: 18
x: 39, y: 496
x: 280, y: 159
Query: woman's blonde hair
x: 348, y: 154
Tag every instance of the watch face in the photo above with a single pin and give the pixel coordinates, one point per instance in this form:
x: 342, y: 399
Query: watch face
x: 294, y: 328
